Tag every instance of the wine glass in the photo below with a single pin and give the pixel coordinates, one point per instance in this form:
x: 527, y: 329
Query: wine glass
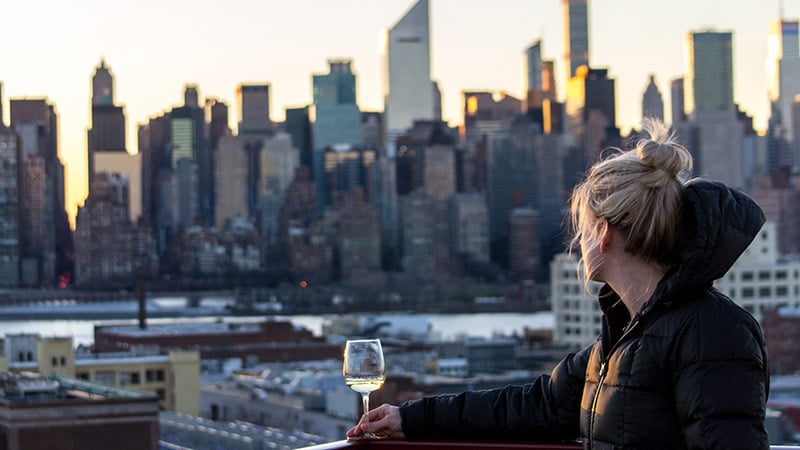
x: 364, y: 370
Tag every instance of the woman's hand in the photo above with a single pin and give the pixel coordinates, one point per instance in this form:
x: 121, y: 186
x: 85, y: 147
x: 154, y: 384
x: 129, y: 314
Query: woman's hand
x: 384, y: 421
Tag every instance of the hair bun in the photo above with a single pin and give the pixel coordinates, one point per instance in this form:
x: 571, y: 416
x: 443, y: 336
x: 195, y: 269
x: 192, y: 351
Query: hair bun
x: 662, y: 153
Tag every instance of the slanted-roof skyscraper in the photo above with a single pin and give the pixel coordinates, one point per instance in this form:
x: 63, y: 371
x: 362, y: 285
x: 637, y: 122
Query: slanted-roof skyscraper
x: 408, y: 89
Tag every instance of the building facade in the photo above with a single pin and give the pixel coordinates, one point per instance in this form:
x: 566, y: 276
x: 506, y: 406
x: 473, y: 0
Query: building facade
x: 782, y: 334
x: 10, y: 207
x: 48, y: 239
x: 469, y: 227
x: 110, y: 250
x: 230, y: 174
x: 523, y: 243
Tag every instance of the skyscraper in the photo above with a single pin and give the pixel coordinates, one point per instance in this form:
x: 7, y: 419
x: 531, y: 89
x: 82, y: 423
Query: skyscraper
x: 189, y: 188
x: 483, y: 113
x: 533, y: 75
x: 107, y: 128
x: 278, y: 162
x: 102, y: 85
x: 298, y: 125
x: 408, y: 90
x: 708, y: 81
x: 254, y: 112
x: 576, y: 35
x: 230, y: 176
x: 652, y: 103
x: 549, y: 80
x: 676, y: 101
x: 469, y: 226
x: 591, y: 112
x: 216, y: 116
x: 191, y: 96
x: 9, y: 208
x: 783, y: 72
x: 107, y: 251
x: 337, y: 119
x: 2, y: 117
x: 713, y: 123
x: 46, y: 240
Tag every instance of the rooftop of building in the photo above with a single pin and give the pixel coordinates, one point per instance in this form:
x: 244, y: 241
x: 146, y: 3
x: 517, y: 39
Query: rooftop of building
x: 193, y: 328
x: 789, y: 312
x: 27, y: 387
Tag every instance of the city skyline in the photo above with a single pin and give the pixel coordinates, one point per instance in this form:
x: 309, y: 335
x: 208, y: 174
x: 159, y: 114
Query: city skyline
x: 473, y: 47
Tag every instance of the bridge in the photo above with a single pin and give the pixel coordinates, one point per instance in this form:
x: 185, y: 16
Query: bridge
x: 18, y: 297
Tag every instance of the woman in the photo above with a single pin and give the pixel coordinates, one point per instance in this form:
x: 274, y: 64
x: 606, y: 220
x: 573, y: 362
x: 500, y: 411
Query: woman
x: 678, y: 364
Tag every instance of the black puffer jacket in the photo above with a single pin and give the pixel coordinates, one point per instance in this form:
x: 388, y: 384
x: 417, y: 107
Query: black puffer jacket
x: 689, y: 371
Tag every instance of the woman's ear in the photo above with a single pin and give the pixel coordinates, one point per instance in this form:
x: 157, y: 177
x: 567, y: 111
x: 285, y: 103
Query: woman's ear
x: 606, y: 237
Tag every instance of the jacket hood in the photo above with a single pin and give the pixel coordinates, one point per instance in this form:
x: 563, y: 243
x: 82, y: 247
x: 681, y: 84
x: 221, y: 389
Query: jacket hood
x: 718, y: 223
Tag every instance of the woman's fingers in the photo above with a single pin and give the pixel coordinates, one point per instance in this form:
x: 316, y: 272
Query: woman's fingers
x: 384, y: 421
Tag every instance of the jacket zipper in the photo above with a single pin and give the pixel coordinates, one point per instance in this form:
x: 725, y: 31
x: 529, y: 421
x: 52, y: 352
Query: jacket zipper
x: 603, y: 372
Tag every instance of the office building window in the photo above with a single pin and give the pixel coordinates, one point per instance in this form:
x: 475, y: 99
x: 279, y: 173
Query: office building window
x: 105, y: 377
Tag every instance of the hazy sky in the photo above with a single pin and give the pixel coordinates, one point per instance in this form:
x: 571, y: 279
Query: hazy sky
x: 51, y: 47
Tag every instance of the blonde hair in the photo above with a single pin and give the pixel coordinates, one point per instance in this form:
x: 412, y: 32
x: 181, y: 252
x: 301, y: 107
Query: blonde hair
x: 638, y: 192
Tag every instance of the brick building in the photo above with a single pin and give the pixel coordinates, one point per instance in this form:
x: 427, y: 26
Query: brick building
x: 253, y: 343
x: 62, y: 413
x: 782, y: 333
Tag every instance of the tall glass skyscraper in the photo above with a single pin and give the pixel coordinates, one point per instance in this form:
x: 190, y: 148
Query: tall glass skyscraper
x: 337, y: 119
x: 708, y: 82
x: 783, y: 71
x: 576, y: 35
x: 533, y: 75
x: 717, y: 134
x: 408, y: 89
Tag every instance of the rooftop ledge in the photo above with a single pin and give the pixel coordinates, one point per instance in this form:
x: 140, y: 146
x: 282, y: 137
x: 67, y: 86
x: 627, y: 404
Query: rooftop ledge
x: 393, y: 444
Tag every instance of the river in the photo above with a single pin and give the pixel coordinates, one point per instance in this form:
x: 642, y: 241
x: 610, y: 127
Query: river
x: 444, y: 326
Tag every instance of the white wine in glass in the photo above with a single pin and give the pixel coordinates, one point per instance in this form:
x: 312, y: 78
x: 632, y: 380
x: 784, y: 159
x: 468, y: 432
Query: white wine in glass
x: 364, y: 370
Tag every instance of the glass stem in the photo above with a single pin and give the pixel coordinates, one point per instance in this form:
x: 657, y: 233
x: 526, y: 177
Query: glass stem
x: 365, y: 399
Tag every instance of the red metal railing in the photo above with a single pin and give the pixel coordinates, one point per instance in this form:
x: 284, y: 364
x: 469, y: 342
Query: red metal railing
x: 398, y: 444
x: 395, y: 444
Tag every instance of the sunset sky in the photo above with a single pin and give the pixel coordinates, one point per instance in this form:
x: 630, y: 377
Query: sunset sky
x: 51, y: 47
